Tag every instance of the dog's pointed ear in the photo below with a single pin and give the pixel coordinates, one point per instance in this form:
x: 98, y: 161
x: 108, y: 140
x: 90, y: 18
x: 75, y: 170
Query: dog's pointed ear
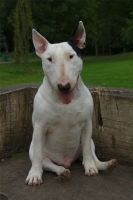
x: 40, y: 43
x: 78, y: 37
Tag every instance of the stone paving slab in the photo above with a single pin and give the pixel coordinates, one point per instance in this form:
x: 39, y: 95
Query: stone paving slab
x: 114, y: 185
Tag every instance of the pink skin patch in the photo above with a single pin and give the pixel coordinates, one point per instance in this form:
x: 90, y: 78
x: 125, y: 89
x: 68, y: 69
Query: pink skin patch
x: 67, y: 97
x: 66, y: 160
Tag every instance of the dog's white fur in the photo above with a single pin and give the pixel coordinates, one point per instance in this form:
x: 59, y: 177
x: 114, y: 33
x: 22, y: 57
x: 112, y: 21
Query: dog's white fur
x: 62, y: 132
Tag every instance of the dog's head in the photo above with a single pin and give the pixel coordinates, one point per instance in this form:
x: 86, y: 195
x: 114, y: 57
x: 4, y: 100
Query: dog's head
x: 62, y: 63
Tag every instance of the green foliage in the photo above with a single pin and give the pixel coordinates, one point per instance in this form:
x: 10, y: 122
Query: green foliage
x: 5, y: 15
x: 108, y: 23
x: 111, y: 17
x: 22, y: 29
x: 2, y: 37
x: 57, y: 19
x: 127, y: 32
x: 104, y: 28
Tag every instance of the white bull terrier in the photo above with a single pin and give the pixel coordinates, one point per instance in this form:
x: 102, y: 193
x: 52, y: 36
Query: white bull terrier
x: 62, y: 114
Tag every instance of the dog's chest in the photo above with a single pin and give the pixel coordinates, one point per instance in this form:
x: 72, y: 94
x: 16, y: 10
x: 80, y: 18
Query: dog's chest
x: 65, y: 123
x: 69, y: 119
x: 64, y: 130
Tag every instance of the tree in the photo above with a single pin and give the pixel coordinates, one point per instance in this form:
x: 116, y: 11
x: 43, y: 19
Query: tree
x: 57, y: 19
x: 127, y: 32
x: 111, y: 17
x: 105, y: 13
x: 22, y: 30
x: 6, y: 20
x: 121, y: 12
x: 2, y: 36
x: 105, y: 23
x: 91, y: 22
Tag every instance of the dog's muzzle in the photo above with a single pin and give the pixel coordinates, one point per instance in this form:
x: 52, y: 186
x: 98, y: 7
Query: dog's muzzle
x: 65, y: 94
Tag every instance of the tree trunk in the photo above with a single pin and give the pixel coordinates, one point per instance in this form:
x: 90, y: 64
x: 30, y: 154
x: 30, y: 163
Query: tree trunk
x: 103, y: 50
x: 16, y: 52
x: 96, y: 49
x: 124, y: 49
x: 110, y: 52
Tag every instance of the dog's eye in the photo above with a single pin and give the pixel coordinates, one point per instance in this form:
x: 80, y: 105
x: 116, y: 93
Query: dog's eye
x: 49, y: 59
x: 71, y: 56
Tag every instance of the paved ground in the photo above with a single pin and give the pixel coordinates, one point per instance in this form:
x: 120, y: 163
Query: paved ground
x: 114, y: 185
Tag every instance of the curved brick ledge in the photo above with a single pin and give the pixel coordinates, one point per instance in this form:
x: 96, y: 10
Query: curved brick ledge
x: 112, y: 121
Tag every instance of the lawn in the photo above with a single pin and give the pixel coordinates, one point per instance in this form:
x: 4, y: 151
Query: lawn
x: 111, y: 71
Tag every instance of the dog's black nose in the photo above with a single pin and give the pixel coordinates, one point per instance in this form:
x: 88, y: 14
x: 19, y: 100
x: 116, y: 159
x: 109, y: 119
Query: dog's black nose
x: 64, y: 88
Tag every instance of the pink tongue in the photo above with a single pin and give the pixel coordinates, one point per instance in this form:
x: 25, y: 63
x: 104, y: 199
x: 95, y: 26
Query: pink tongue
x: 67, y: 97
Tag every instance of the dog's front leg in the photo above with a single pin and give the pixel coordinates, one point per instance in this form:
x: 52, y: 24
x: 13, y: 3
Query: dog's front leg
x: 88, y: 162
x: 35, y: 174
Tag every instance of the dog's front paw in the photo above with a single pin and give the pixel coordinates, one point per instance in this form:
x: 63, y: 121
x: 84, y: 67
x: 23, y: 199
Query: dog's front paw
x: 90, y: 169
x: 34, y: 177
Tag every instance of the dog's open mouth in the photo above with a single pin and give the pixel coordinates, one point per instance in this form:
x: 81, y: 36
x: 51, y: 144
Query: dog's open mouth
x: 67, y: 97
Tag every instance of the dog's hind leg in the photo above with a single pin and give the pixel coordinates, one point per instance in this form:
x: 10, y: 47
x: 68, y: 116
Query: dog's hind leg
x: 48, y: 165
x: 102, y: 165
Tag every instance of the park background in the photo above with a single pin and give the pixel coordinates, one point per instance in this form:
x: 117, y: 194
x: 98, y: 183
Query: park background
x: 108, y: 57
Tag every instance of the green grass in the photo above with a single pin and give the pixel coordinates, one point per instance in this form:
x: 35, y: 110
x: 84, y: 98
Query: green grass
x: 12, y: 74
x: 113, y: 71
x: 32, y: 56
